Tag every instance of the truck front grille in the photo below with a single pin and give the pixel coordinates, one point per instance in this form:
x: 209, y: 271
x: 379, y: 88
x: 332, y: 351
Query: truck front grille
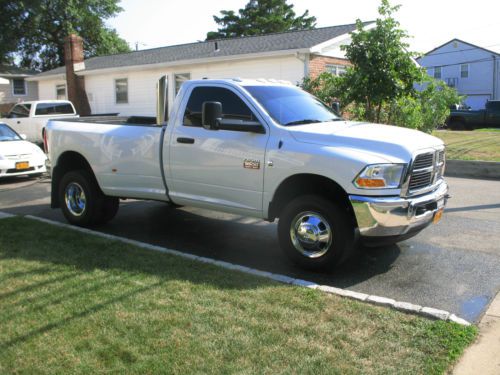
x: 427, y: 169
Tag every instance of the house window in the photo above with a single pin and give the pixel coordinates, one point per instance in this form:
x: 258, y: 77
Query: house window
x: 180, y: 78
x: 464, y: 71
x: 61, y: 92
x: 121, y: 90
x: 336, y: 70
x: 18, y: 86
x: 437, y: 72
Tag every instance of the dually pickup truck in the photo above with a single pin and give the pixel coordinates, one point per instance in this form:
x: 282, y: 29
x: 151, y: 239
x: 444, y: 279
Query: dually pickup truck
x: 31, y: 118
x: 469, y: 120
x: 255, y: 148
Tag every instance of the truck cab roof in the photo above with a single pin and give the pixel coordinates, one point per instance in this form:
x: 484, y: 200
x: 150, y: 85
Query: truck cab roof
x: 242, y: 81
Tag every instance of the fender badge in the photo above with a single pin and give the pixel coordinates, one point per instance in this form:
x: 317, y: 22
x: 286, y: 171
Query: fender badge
x: 251, y: 164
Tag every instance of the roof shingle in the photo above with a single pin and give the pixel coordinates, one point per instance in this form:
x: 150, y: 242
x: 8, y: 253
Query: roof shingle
x: 290, y: 40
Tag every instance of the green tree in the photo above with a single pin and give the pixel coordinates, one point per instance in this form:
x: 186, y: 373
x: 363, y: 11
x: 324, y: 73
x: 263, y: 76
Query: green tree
x: 44, y: 24
x: 381, y: 84
x: 260, y: 17
x: 383, y: 69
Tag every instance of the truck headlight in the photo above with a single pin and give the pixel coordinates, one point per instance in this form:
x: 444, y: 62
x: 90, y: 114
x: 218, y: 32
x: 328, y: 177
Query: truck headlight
x: 380, y: 176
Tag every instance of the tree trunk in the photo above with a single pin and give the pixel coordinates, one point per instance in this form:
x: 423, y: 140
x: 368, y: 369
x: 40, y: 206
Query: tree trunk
x: 379, y: 108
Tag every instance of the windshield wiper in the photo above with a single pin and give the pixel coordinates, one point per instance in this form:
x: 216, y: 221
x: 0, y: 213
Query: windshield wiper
x: 302, y: 122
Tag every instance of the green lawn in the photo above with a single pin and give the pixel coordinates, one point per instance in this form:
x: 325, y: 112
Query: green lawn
x: 75, y: 303
x: 482, y: 144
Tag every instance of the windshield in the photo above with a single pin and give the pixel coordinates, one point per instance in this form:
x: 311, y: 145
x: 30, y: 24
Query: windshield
x: 289, y: 105
x: 7, y: 134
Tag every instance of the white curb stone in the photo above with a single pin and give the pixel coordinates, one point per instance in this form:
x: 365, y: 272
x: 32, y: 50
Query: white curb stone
x: 5, y: 215
x: 456, y: 319
x: 354, y: 295
x: 403, y: 306
x: 382, y: 301
x: 305, y: 283
x: 435, y: 313
x: 407, y: 307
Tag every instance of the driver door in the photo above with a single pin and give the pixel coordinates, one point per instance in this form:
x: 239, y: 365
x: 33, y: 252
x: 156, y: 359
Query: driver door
x: 219, y: 169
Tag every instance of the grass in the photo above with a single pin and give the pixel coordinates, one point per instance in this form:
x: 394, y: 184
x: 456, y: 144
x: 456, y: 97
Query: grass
x: 482, y: 144
x: 75, y: 303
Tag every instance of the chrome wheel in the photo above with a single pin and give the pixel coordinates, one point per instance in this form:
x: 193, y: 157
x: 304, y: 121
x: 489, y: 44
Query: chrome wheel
x: 311, y: 234
x: 74, y: 197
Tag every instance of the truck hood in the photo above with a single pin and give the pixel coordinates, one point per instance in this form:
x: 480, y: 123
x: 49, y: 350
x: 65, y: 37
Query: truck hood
x: 390, y: 141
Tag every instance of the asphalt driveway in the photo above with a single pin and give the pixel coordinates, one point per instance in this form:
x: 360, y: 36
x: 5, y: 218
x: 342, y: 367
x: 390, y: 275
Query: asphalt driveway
x: 454, y: 265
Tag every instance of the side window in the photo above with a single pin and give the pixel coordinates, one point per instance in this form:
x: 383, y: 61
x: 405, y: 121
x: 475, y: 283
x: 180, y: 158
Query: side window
x: 232, y: 106
x: 180, y: 78
x: 18, y: 86
x: 61, y: 92
x: 63, y: 109
x: 121, y: 91
x: 20, y: 110
x: 437, y: 72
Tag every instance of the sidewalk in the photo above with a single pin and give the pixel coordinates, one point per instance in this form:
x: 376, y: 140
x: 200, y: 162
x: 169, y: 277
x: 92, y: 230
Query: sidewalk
x: 483, y: 357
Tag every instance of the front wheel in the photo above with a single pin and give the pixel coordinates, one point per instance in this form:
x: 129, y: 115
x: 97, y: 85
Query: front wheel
x: 315, y: 233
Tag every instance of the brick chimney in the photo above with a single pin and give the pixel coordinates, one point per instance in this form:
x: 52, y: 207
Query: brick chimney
x: 73, y: 59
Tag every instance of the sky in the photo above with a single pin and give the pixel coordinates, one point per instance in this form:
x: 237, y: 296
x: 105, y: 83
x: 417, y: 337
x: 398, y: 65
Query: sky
x: 158, y: 23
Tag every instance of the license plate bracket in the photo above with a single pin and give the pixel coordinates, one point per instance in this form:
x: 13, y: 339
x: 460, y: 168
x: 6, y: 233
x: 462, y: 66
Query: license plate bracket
x: 21, y: 165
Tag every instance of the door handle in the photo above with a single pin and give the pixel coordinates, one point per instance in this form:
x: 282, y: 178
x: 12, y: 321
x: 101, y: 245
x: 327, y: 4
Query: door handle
x: 185, y: 140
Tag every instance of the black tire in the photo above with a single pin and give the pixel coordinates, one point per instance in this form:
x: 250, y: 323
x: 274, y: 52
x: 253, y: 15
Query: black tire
x: 81, y: 200
x: 322, y: 254
x: 109, y: 209
x: 457, y: 125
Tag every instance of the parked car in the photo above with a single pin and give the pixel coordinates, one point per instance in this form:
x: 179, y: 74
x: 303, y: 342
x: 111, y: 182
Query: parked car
x: 30, y: 118
x: 256, y: 148
x: 489, y: 117
x: 17, y: 156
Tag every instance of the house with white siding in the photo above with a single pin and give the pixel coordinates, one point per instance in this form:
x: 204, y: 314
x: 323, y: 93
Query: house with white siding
x: 14, y: 87
x: 125, y: 83
x: 474, y: 71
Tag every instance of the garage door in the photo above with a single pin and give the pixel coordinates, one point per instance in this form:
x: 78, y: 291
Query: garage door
x: 477, y: 101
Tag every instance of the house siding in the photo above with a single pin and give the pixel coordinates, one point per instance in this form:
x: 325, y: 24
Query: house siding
x: 47, y: 89
x: 100, y: 88
x: 478, y: 86
x: 7, y: 98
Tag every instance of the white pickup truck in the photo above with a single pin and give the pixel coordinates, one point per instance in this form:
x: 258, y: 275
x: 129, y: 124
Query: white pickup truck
x: 30, y: 118
x: 260, y: 149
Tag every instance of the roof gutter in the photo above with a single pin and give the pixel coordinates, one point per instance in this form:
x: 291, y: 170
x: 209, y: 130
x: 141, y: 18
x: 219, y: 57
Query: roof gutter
x: 58, y: 76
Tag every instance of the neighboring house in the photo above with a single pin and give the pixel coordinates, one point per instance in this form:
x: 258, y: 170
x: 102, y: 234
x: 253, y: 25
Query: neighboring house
x: 474, y: 71
x: 125, y: 83
x: 14, y: 87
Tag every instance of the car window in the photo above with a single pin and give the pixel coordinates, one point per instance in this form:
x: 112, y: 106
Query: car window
x: 53, y: 109
x: 232, y: 105
x: 289, y: 105
x: 20, y: 110
x: 7, y: 134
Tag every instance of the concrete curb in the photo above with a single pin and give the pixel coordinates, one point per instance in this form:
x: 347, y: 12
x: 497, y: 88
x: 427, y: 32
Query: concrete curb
x: 406, y: 307
x: 473, y: 169
x: 5, y: 215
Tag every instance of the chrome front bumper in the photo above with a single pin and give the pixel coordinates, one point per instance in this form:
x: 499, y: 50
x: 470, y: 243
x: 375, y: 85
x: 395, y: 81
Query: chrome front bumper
x: 396, y: 216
